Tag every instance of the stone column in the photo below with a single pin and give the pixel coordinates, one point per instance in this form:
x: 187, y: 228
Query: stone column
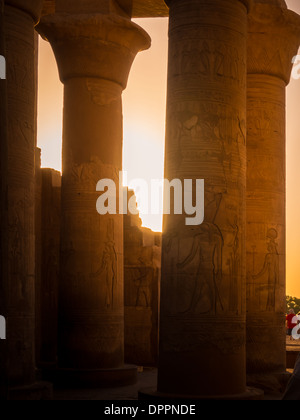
x: 3, y: 208
x: 18, y: 282
x: 203, y: 314
x: 94, y: 47
x: 274, y: 36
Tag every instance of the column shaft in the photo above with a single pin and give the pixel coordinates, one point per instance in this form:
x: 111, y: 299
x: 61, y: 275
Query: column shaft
x: 202, y: 336
x: 3, y: 211
x: 18, y: 272
x: 21, y: 152
x: 91, y: 303
x: 273, y: 40
x: 266, y: 349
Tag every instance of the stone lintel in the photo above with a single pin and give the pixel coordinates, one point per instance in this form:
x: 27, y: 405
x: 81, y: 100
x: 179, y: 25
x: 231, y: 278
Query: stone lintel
x: 247, y: 3
x: 273, y: 40
x: 119, y: 7
x: 137, y: 8
x: 94, y: 45
x: 32, y: 7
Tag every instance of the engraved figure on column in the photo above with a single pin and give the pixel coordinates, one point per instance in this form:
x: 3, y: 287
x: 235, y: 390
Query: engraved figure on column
x: 109, y: 266
x: 194, y: 257
x: 205, y: 293
x: 271, y: 268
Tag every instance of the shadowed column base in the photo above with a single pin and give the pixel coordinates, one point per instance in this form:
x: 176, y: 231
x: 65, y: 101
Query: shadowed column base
x: 92, y: 378
x: 251, y: 394
x: 270, y: 382
x: 39, y: 391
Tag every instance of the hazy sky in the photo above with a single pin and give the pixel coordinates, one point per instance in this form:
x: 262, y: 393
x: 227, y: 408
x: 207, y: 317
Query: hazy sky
x: 144, y: 104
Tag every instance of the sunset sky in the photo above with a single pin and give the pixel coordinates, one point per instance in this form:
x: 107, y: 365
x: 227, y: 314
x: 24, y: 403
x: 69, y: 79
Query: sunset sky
x: 144, y: 103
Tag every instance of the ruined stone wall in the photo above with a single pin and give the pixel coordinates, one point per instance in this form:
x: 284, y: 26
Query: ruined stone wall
x: 142, y: 265
x: 48, y: 201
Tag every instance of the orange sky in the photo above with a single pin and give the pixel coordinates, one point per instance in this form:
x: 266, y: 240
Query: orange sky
x: 144, y: 128
x: 293, y: 180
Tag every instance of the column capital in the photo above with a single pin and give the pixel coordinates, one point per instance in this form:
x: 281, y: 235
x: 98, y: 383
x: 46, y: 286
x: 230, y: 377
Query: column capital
x: 94, y: 45
x: 32, y: 7
x: 273, y: 39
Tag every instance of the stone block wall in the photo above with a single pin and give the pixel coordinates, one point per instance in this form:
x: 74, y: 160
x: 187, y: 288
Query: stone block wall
x: 142, y: 264
x: 48, y: 199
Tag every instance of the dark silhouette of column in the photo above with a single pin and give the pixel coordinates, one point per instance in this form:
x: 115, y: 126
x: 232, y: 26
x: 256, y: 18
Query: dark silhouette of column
x: 3, y: 208
x: 17, y: 352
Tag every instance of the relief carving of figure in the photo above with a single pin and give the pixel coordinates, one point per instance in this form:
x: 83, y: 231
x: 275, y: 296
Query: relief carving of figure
x: 205, y: 294
x: 194, y: 257
x: 270, y: 268
x: 219, y: 66
x: 234, y: 264
x: 205, y: 59
x: 87, y: 173
x: 108, y: 268
x: 143, y: 297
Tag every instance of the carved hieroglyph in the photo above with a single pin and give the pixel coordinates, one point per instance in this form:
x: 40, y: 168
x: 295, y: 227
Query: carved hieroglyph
x: 203, y: 268
x: 274, y: 37
x: 94, y: 53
